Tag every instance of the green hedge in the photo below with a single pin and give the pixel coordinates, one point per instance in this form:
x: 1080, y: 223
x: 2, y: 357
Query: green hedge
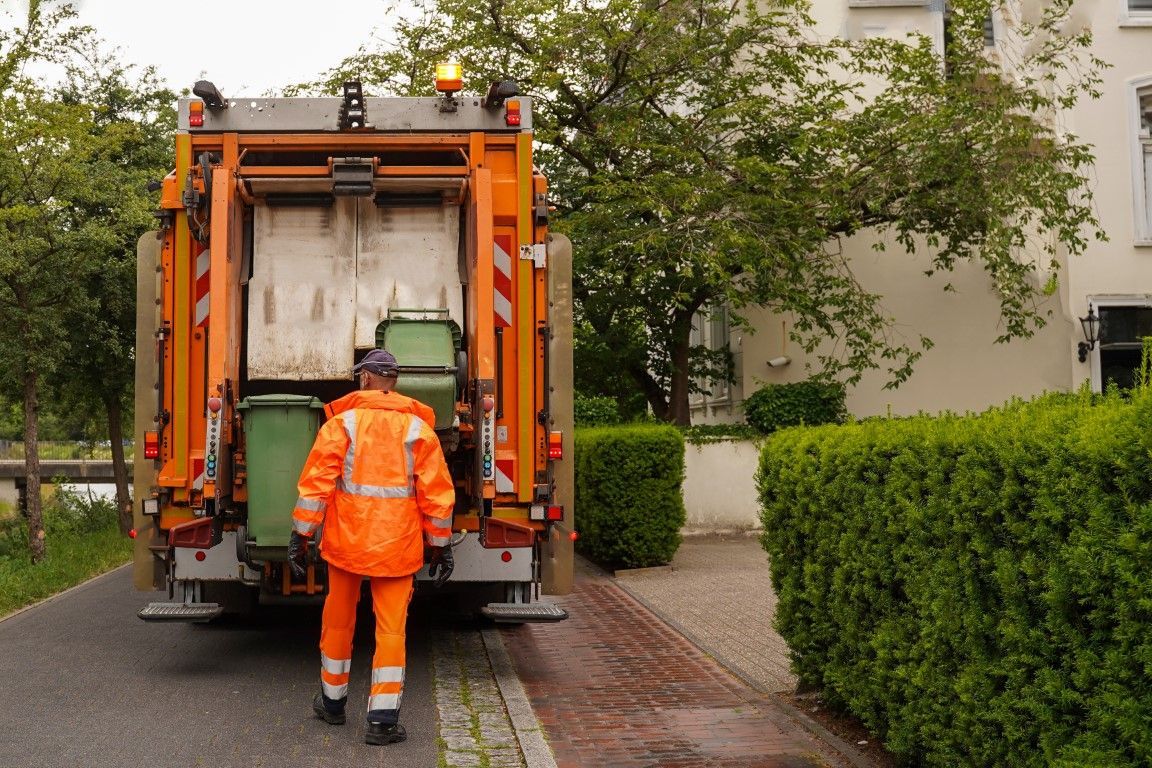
x: 595, y: 410
x: 629, y: 506
x: 978, y: 590
x: 776, y: 406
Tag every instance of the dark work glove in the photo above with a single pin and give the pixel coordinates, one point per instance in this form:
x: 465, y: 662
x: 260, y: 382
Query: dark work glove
x: 298, y: 554
x: 441, y: 565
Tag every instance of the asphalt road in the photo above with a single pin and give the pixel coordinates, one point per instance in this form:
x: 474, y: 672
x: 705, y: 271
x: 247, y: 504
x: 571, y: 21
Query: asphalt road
x: 84, y: 682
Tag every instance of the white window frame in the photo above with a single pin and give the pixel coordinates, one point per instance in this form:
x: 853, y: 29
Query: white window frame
x: 1141, y: 147
x: 1136, y: 300
x: 1131, y: 18
x: 702, y: 334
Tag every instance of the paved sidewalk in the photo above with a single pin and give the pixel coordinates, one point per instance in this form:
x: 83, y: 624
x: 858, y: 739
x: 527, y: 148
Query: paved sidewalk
x: 718, y: 593
x: 615, y: 687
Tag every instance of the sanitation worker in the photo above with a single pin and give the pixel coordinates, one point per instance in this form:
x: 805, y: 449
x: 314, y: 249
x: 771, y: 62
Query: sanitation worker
x: 377, y: 480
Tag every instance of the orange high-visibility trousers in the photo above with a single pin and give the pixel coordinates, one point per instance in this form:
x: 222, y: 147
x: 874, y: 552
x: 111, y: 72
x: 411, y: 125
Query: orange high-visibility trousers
x: 390, y: 598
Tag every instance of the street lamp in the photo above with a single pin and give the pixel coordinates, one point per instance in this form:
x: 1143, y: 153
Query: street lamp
x: 1091, y: 328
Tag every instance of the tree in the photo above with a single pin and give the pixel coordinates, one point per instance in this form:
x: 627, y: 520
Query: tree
x: 705, y: 152
x: 134, y: 120
x: 53, y: 159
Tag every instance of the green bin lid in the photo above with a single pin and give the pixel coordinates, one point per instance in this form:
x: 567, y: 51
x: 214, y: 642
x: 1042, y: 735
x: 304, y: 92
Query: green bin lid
x: 298, y: 400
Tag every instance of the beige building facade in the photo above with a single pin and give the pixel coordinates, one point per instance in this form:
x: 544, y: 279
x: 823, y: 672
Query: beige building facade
x: 966, y: 370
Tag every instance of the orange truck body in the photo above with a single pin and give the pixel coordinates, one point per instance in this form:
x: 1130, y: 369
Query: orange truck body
x: 430, y: 200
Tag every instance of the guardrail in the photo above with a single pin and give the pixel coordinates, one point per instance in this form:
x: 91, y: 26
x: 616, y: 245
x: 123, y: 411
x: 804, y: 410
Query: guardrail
x: 11, y: 450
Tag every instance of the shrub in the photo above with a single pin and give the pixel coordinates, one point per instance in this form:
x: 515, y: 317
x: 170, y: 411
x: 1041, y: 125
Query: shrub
x: 629, y: 506
x: 977, y: 590
x: 595, y: 411
x: 776, y: 406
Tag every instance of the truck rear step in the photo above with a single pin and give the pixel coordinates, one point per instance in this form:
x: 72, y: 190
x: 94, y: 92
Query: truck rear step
x: 523, y: 612
x: 180, y: 611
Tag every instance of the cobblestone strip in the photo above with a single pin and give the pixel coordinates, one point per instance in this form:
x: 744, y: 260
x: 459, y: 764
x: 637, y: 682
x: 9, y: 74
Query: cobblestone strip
x: 475, y: 731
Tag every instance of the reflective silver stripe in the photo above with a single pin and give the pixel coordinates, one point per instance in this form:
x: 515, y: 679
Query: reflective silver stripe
x: 409, y: 451
x: 304, y: 528
x: 335, y: 666
x: 440, y: 522
x: 439, y: 541
x: 383, y: 701
x: 361, y: 489
x: 334, y: 691
x: 387, y: 675
x: 312, y: 505
x: 350, y: 455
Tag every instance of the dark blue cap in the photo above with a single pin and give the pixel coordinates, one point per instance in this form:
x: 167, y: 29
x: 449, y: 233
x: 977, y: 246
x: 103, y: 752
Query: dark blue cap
x: 380, y: 362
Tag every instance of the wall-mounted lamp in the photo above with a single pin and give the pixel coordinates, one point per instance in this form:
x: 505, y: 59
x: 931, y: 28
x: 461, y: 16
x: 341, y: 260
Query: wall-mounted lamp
x: 779, y: 362
x: 1091, y: 327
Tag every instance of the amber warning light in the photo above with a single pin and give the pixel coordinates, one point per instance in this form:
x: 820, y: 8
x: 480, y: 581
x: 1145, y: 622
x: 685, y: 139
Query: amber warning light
x: 449, y: 77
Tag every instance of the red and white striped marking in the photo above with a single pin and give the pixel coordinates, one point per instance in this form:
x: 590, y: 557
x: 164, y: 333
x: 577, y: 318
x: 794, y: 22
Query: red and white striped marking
x: 504, y: 471
x: 203, y: 261
x: 502, y: 280
x: 198, y: 473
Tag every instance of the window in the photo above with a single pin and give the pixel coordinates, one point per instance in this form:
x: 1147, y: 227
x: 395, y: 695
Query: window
x: 710, y: 329
x: 1135, y: 13
x: 1124, y: 324
x: 1140, y: 99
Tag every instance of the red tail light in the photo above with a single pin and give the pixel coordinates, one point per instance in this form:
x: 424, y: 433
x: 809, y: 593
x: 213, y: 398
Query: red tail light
x: 512, y: 113
x: 196, y: 114
x: 151, y: 445
x: 554, y: 513
x: 555, y: 445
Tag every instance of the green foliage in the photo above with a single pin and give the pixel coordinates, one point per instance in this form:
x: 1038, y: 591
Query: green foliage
x: 629, y: 506
x: 811, y: 403
x: 592, y: 411
x: 701, y: 434
x: 978, y: 589
x: 713, y: 153
x: 85, y: 542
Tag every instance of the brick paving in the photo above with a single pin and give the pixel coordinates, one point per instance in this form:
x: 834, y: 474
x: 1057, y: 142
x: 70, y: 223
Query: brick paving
x: 616, y: 687
x: 719, y: 594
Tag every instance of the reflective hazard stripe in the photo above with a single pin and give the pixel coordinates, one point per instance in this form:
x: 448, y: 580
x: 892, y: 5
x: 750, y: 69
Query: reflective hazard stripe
x: 312, y: 505
x: 384, y: 701
x: 387, y: 675
x: 409, y: 452
x: 504, y: 470
x: 304, y: 528
x: 334, y: 691
x: 335, y: 666
x: 502, y: 280
x: 203, y: 262
x: 361, y: 489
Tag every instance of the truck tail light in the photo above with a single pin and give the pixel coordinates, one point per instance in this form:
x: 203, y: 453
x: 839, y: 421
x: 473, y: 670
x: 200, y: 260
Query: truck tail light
x: 151, y: 445
x: 196, y: 114
x: 512, y: 112
x: 554, y: 513
x: 555, y: 445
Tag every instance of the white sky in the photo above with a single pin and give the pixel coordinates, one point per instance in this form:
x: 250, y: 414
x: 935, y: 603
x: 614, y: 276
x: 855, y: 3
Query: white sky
x: 245, y: 47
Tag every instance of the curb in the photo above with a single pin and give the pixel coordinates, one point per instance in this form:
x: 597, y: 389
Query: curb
x: 71, y: 589
x: 843, y: 748
x: 529, y: 733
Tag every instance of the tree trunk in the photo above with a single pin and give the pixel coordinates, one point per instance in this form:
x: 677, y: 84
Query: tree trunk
x: 33, y: 509
x: 119, y: 466
x: 678, y: 412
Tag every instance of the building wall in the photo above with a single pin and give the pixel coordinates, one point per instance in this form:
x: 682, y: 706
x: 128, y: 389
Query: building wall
x: 966, y: 370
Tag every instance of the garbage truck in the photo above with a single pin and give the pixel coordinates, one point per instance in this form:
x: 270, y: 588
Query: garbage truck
x: 295, y: 235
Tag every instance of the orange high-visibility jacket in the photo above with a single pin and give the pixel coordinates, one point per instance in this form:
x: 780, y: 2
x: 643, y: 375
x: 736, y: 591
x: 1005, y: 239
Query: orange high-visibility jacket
x: 375, y: 478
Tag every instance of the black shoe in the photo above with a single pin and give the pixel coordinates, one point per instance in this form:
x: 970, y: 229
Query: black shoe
x: 325, y: 714
x: 381, y: 734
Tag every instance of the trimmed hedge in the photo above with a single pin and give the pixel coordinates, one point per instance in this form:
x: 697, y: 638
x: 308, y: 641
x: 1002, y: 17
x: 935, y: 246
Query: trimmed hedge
x: 629, y: 505
x: 977, y: 590
x: 810, y: 403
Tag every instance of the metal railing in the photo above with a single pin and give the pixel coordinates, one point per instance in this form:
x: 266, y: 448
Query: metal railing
x: 14, y: 450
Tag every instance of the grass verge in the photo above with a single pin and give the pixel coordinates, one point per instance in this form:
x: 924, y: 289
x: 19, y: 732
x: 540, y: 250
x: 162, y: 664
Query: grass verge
x: 82, y: 539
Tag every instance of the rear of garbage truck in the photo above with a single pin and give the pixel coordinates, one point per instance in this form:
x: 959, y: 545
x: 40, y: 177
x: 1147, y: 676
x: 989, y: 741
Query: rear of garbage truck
x: 297, y: 234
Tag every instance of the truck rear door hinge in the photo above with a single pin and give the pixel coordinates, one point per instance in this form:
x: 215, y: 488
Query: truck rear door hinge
x: 543, y: 417
x: 537, y: 254
x: 352, y: 176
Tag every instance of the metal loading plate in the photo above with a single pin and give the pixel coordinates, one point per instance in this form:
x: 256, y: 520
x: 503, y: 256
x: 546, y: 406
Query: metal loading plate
x: 523, y: 612
x: 180, y: 611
